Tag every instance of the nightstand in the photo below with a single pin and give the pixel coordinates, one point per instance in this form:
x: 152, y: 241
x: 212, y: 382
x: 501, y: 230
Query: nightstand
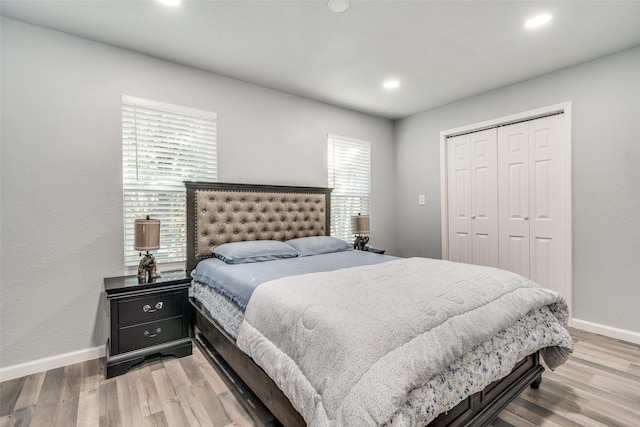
x: 146, y: 319
x: 377, y: 251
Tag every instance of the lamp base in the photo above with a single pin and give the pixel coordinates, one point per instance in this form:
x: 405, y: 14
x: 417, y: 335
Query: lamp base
x: 360, y: 243
x: 147, y: 269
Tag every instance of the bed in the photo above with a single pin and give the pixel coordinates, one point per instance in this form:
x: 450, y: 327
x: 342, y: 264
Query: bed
x: 373, y: 380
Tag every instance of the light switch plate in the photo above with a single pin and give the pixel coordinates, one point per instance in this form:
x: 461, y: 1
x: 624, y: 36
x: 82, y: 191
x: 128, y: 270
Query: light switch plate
x: 421, y: 199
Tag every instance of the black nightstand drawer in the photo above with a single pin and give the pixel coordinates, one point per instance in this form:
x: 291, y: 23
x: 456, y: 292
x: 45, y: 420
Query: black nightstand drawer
x: 148, y: 308
x: 152, y: 333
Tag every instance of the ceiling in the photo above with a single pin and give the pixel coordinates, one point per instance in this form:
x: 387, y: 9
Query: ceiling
x: 440, y: 51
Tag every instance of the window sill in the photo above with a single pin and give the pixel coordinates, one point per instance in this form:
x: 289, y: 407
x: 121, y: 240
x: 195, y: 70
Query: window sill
x: 168, y: 266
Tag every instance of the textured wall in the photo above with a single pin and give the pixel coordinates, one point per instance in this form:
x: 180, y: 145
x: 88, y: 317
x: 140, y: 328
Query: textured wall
x: 605, y: 96
x: 61, y: 166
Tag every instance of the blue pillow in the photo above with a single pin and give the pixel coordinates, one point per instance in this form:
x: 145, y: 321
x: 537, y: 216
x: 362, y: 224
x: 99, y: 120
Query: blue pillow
x: 317, y: 245
x: 254, y: 251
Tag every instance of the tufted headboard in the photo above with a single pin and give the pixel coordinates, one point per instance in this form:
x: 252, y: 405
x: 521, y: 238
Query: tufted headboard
x: 220, y: 213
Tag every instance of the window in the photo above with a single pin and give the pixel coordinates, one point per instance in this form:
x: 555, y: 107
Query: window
x: 162, y: 146
x: 349, y: 176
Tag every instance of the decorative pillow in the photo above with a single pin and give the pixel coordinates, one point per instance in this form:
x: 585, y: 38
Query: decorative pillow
x: 254, y: 251
x: 317, y: 245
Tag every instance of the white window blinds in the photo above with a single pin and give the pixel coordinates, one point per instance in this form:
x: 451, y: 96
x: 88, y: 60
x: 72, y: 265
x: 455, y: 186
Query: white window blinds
x: 162, y: 146
x: 349, y: 176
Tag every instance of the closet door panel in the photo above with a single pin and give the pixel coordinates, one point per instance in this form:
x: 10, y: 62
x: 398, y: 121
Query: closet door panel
x: 517, y: 248
x: 542, y: 261
x: 461, y: 248
x: 472, y: 198
x: 459, y: 198
x: 484, y: 197
x: 482, y: 254
x: 547, y: 202
x: 513, y: 197
x: 542, y: 194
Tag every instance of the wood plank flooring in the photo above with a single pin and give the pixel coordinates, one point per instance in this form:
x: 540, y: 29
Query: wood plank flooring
x: 598, y: 386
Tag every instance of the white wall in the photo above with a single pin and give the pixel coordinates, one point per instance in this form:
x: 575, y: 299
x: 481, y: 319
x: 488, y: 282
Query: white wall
x: 61, y: 168
x: 605, y: 96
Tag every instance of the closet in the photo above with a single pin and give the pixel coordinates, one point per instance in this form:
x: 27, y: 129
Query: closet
x: 507, y: 190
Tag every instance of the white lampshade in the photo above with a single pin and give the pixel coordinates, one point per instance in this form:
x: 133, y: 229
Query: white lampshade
x: 147, y: 234
x: 360, y: 224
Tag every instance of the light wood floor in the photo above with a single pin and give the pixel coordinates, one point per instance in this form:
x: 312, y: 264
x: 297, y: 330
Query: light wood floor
x: 598, y: 386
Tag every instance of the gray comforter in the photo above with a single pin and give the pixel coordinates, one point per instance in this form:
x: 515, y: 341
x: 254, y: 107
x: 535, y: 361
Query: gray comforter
x: 353, y: 347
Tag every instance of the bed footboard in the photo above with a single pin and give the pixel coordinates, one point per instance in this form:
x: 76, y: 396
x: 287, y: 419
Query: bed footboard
x: 482, y: 408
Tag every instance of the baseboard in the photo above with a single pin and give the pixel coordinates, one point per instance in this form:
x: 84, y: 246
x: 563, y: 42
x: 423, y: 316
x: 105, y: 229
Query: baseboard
x: 53, y: 362
x: 621, y: 334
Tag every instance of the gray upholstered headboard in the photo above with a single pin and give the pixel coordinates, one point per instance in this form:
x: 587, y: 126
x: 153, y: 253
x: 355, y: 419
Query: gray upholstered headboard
x: 219, y: 213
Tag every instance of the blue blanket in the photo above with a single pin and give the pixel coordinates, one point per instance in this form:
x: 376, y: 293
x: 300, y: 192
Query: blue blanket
x: 238, y: 281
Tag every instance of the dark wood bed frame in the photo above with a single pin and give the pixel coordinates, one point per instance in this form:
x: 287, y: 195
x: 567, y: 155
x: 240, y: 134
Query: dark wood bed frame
x: 477, y: 410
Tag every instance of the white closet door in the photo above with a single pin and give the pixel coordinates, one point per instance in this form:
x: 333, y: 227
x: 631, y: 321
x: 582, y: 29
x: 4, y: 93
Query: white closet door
x: 513, y: 196
x: 523, y: 169
x: 531, y: 193
x: 484, y: 197
x: 473, y: 206
x: 459, y: 192
x: 547, y: 201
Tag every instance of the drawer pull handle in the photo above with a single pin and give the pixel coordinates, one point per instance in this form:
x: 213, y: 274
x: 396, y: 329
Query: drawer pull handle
x: 150, y: 335
x: 147, y: 308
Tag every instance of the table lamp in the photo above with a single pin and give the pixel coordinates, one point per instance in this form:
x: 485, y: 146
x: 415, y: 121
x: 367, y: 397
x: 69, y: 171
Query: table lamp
x: 147, y: 238
x: 360, y: 227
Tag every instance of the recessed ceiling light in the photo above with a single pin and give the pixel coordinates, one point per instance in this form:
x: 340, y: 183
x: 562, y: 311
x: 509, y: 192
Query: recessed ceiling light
x: 172, y: 3
x: 338, y: 6
x: 537, y: 21
x: 391, y: 84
